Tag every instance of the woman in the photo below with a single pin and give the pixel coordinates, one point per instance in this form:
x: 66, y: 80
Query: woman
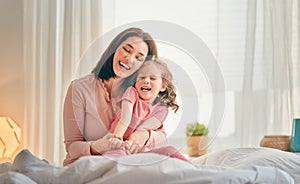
x: 88, y: 111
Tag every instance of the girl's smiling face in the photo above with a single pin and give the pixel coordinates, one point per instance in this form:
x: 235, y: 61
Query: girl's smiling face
x: 149, y: 82
x: 129, y: 56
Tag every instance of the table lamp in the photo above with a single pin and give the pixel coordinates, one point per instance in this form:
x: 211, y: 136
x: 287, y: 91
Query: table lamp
x: 10, y: 139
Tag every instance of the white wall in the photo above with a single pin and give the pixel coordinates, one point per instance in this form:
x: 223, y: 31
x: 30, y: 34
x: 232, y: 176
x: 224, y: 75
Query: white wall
x: 11, y: 62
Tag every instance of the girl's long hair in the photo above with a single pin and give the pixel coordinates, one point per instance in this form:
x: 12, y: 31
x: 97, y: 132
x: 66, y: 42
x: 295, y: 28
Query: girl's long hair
x: 167, y: 97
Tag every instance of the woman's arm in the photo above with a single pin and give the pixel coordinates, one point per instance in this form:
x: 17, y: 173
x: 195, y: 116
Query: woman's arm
x: 142, y: 134
x: 73, y: 119
x: 150, y: 124
x: 145, y: 138
x: 157, y: 136
x: 150, y: 133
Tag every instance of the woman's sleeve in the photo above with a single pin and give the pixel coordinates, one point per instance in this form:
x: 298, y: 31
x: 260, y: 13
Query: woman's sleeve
x: 73, y: 118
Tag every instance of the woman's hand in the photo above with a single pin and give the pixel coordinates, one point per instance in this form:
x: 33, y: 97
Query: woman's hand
x: 101, y: 145
x: 136, y: 141
x: 115, y: 143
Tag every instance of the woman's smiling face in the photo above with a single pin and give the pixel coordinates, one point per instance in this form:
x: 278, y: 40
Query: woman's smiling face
x: 129, y: 56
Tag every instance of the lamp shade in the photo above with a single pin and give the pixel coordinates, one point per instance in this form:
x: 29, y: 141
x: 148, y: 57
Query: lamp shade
x: 10, y: 139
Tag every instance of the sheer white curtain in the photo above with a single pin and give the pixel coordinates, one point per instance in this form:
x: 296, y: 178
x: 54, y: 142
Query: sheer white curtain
x: 266, y: 98
x: 56, y: 34
x: 269, y: 94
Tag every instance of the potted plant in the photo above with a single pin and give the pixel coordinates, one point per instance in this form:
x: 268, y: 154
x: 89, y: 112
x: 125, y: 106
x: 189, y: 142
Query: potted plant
x: 197, y: 141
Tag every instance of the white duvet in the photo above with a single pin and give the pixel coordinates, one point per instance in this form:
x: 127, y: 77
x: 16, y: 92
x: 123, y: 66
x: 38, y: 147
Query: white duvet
x: 152, y: 168
x: 247, y: 157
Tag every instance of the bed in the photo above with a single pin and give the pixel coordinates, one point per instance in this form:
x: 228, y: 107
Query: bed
x: 238, y: 165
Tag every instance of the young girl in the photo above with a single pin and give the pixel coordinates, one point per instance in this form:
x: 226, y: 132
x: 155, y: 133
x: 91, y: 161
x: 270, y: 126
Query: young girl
x: 144, y: 107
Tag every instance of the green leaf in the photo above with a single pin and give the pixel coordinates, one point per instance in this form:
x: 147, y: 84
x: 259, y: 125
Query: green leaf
x: 196, y: 129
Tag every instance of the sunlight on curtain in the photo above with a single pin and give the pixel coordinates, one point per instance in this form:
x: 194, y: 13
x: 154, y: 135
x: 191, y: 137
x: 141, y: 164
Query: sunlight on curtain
x: 56, y: 34
x: 256, y: 44
x: 269, y: 87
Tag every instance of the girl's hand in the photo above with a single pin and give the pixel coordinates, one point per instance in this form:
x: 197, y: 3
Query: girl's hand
x: 131, y: 148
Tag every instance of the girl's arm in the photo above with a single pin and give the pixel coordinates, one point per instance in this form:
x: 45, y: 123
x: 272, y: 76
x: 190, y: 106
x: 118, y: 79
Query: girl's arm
x: 124, y: 120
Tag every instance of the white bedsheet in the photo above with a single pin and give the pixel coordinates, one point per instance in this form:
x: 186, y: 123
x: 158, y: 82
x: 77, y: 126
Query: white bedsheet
x: 143, y: 168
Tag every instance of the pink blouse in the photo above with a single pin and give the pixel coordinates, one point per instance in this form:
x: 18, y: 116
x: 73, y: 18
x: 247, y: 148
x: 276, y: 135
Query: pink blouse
x: 87, y: 116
